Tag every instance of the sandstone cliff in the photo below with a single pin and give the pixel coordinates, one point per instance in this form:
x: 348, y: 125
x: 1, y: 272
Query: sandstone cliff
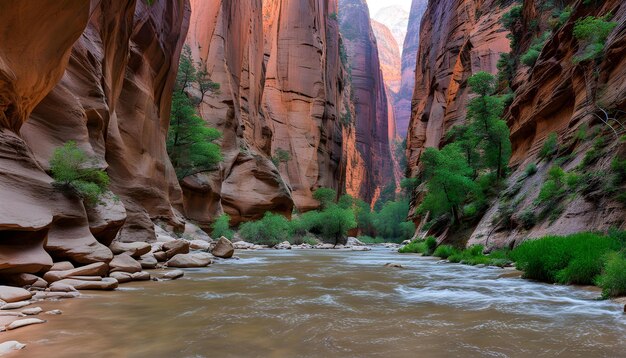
x: 402, y: 104
x: 389, y: 56
x: 99, y: 73
x: 373, y: 119
x: 555, y: 95
x: 283, y: 89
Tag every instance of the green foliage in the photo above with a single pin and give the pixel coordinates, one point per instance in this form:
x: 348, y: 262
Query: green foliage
x: 591, y: 33
x: 448, y: 181
x: 527, y: 219
x: 70, y: 167
x: 387, y: 194
x: 221, y: 227
x: 562, y: 16
x: 445, y: 251
x: 272, y: 229
x: 552, y: 189
x: 613, y: 278
x: 280, y: 156
x: 325, y: 196
x: 336, y: 222
x: 593, y: 154
x: 530, y: 57
x: 531, y: 169
x: 391, y: 223
x: 408, y: 185
x: 333, y: 16
x: 474, y: 255
x: 190, y: 142
x: 371, y: 240
x: 576, y: 258
x: 511, y: 18
x: 550, y: 146
x: 506, y: 70
x: 425, y: 247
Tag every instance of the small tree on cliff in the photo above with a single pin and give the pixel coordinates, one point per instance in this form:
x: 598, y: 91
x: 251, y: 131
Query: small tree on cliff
x: 190, y: 142
x: 73, y: 170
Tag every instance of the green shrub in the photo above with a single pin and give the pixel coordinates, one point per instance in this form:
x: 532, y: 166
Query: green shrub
x: 445, y: 251
x: 550, y: 146
x: 221, y: 227
x: 510, y: 18
x: 575, y: 258
x: 272, y: 229
x: 591, y: 33
x: 431, y: 245
x: 618, y: 166
x: 613, y: 278
x: 325, y: 196
x: 70, y: 167
x: 527, y: 219
x: 391, y: 223
x: 416, y: 247
x: 335, y: 223
x: 552, y: 189
x: 593, y: 154
x: 530, y: 57
x: 531, y: 169
x: 371, y: 240
x: 280, y: 156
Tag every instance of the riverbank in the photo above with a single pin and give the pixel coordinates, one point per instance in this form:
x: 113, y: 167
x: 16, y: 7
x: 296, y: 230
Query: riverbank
x: 330, y: 303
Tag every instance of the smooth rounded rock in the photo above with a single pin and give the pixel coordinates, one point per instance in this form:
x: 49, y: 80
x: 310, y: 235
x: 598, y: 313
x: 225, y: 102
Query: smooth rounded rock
x: 24, y: 322
x: 10, y: 346
x: 285, y: 245
x: 141, y: 276
x: 160, y: 256
x: 174, y: 274
x: 148, y: 261
x: 199, y: 245
x: 198, y: 259
x: 54, y: 312
x: 122, y: 277
x: 14, y: 294
x: 62, y: 266
x: 134, y: 249
x: 91, y: 285
x: 32, y: 311
x: 124, y: 263
x: 173, y: 248
x: 14, y: 305
x: 94, y: 269
x: 223, y: 248
x: 61, y: 287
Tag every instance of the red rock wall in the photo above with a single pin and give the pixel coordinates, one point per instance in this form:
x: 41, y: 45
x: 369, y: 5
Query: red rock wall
x: 281, y: 80
x: 459, y: 38
x: 109, y: 90
x: 370, y: 99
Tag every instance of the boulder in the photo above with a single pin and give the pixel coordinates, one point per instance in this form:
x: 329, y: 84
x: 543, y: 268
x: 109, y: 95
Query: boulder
x: 107, y: 218
x: 23, y: 323
x: 141, y: 276
x: 122, y: 277
x: 62, y: 266
x: 10, y: 346
x: 104, y: 284
x: 353, y: 241
x: 134, y: 249
x: 94, y: 269
x: 160, y: 256
x: 197, y: 259
x: 162, y: 235
x: 285, y: 245
x: 40, y: 283
x: 148, y: 261
x: 174, y: 274
x: 14, y: 305
x: 14, y: 294
x: 124, y: 263
x: 223, y: 248
x: 32, y: 311
x: 176, y: 247
x: 199, y: 245
x: 61, y: 287
x: 55, y: 295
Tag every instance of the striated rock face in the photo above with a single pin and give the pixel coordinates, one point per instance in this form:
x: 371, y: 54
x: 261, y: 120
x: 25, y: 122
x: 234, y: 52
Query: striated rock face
x: 396, y: 19
x: 454, y: 43
x: 402, y: 104
x: 281, y: 79
x: 389, y: 56
x: 555, y: 95
x: 109, y: 91
x: 370, y: 98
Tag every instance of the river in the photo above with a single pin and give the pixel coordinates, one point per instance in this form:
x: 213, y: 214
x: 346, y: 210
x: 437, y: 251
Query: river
x: 322, y: 303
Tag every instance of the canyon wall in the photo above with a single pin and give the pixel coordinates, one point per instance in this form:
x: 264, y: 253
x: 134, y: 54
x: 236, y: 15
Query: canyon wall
x: 402, y: 100
x: 99, y: 73
x: 283, y: 89
x: 556, y: 95
x: 373, y: 118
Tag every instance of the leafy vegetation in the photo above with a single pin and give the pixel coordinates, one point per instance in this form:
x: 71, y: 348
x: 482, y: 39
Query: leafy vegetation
x: 573, y: 259
x: 74, y: 171
x: 550, y: 146
x: 190, y: 142
x: 425, y: 247
x: 591, y: 33
x: 613, y: 277
x: 280, y: 156
x: 325, y: 196
x: 530, y: 57
x: 272, y: 229
x: 221, y: 227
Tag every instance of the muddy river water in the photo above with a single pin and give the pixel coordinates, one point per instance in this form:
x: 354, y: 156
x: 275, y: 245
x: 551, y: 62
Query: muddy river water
x: 321, y: 303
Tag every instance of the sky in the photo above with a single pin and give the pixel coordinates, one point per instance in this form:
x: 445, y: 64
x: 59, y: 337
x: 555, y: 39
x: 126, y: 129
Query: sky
x: 376, y: 5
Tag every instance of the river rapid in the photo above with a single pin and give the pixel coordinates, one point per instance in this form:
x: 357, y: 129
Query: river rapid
x: 329, y: 303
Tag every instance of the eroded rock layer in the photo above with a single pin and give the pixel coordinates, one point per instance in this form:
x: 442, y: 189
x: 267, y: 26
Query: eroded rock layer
x: 98, y: 73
